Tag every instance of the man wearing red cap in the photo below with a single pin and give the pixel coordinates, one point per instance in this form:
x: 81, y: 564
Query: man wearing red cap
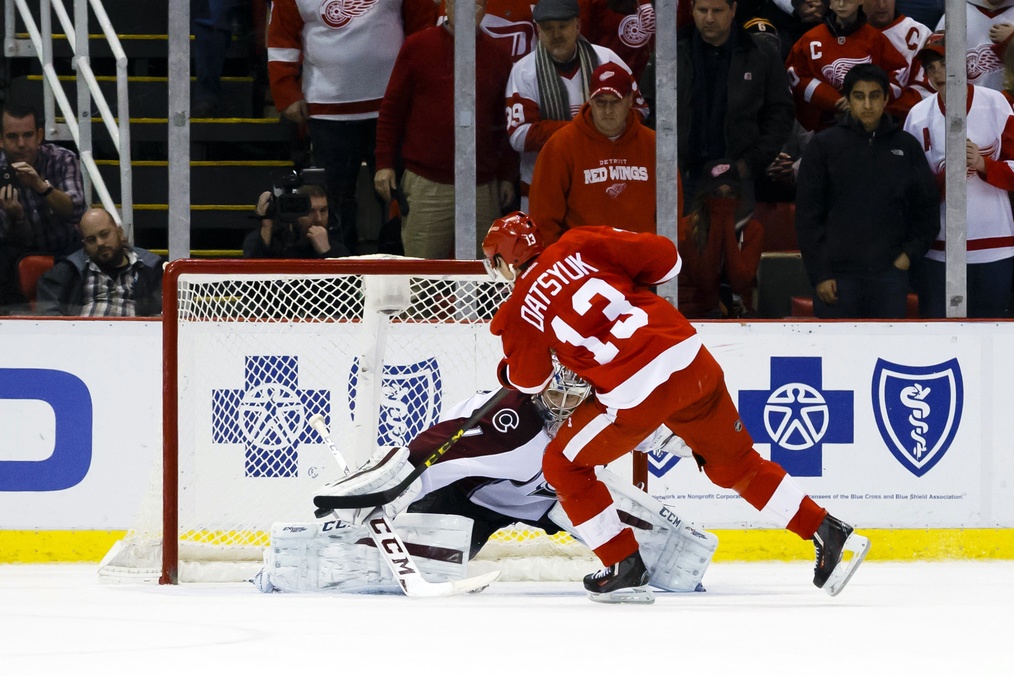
x: 547, y: 88
x: 600, y: 168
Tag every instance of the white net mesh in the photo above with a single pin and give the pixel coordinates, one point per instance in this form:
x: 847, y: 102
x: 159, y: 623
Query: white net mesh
x: 260, y: 350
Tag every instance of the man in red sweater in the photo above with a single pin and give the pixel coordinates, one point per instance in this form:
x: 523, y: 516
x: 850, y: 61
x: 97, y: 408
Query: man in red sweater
x: 415, y: 131
x: 599, y: 168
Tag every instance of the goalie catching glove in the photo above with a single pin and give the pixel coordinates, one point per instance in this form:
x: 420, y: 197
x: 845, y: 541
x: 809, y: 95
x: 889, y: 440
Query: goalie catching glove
x: 387, y: 467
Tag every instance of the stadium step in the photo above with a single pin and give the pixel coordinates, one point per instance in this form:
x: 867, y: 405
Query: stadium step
x: 148, y: 96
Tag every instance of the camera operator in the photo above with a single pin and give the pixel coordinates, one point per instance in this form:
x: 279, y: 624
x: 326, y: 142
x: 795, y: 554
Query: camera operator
x: 41, y: 196
x: 291, y: 228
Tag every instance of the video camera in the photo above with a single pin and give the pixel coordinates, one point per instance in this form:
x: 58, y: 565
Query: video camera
x: 287, y: 204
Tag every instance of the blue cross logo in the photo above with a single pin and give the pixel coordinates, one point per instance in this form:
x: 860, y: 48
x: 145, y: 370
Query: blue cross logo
x: 268, y: 416
x: 797, y: 416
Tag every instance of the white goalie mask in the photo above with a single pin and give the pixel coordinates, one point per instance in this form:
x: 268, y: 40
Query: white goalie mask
x: 565, y: 392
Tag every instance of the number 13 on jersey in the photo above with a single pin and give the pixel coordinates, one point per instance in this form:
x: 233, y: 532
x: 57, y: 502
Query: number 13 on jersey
x: 625, y: 319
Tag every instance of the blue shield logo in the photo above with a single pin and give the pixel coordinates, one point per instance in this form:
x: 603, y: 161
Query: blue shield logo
x: 410, y: 400
x: 659, y: 463
x: 918, y: 410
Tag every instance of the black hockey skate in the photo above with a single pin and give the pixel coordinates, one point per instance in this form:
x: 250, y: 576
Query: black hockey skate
x: 832, y: 540
x: 623, y: 582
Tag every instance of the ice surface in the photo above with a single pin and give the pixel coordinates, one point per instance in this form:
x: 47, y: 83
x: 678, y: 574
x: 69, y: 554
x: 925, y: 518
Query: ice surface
x: 759, y: 618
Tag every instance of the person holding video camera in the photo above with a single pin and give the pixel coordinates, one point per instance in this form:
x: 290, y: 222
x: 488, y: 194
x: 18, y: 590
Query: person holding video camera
x: 294, y: 225
x: 41, y: 196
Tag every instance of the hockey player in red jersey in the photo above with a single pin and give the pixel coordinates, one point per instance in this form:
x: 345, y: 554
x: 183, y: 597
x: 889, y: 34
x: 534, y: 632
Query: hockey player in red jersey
x: 586, y: 299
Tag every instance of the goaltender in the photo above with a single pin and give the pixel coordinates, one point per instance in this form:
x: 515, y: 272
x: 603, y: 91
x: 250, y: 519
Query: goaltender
x: 491, y: 478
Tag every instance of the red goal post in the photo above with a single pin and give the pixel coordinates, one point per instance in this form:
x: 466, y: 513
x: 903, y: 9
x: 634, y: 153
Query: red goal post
x: 254, y: 348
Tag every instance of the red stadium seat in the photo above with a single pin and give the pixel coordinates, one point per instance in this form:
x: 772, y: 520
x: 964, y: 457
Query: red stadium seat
x: 30, y: 268
x: 802, y: 306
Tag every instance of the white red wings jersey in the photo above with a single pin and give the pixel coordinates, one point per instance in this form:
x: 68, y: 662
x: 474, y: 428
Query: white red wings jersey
x: 632, y: 36
x: 908, y: 36
x: 346, y: 48
x: 501, y: 456
x: 990, y: 235
x: 819, y: 61
x: 527, y: 130
x: 586, y: 299
x: 984, y: 60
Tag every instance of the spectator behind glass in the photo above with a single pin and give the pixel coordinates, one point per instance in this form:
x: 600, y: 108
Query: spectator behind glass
x: 989, y: 27
x: 908, y: 36
x: 733, y: 96
x: 600, y: 168
x: 416, y: 129
x: 795, y: 19
x: 989, y: 159
x: 549, y: 86
x: 329, y: 69
x: 625, y: 26
x: 308, y: 237
x: 720, y: 243
x: 866, y: 207
x: 818, y: 62
x: 106, y: 278
x: 41, y: 196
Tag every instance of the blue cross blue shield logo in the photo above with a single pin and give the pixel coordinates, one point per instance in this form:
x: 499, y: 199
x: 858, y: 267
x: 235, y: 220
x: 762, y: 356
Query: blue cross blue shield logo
x: 268, y: 415
x: 411, y: 397
x: 797, y: 415
x: 918, y: 410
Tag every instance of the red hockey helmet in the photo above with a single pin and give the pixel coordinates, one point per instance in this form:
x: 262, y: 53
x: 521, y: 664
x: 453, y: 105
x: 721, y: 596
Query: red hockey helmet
x: 515, y: 238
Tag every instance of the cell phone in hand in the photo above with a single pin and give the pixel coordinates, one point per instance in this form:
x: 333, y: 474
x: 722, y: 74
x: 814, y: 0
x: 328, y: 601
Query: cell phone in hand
x: 7, y: 175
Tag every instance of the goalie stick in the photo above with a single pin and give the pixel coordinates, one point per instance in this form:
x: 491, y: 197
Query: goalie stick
x: 326, y: 503
x: 393, y: 549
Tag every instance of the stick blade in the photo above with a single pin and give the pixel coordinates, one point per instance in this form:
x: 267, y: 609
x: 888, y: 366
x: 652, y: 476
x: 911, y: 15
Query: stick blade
x: 416, y: 587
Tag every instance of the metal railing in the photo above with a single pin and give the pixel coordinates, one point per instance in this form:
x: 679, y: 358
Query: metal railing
x: 78, y: 127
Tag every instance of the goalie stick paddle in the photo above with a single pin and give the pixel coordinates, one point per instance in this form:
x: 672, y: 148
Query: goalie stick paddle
x: 325, y: 503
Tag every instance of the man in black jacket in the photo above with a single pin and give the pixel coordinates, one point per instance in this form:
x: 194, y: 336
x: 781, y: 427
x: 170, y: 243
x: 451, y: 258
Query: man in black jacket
x: 733, y: 95
x: 105, y: 278
x: 866, y: 206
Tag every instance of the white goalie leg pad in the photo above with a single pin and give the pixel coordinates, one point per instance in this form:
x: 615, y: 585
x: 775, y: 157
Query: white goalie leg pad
x: 341, y: 557
x: 387, y: 467
x: 676, y: 552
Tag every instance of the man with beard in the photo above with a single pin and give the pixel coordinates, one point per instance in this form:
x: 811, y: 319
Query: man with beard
x: 105, y: 278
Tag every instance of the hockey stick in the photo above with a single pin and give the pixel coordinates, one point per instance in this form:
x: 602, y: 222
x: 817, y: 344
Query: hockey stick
x: 393, y: 549
x: 325, y: 503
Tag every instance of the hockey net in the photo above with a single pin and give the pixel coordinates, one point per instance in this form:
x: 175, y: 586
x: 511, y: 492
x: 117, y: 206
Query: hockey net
x: 254, y: 349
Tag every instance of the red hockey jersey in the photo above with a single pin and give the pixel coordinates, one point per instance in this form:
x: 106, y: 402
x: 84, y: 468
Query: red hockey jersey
x: 586, y: 299
x: 819, y: 61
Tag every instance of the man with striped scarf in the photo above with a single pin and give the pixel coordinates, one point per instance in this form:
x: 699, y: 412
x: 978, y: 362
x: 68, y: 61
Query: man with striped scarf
x: 549, y: 85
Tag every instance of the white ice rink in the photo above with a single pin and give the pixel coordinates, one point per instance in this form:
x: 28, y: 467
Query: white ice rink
x: 894, y: 618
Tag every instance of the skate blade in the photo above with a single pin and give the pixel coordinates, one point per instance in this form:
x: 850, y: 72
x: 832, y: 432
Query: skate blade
x: 629, y: 595
x: 859, y: 546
